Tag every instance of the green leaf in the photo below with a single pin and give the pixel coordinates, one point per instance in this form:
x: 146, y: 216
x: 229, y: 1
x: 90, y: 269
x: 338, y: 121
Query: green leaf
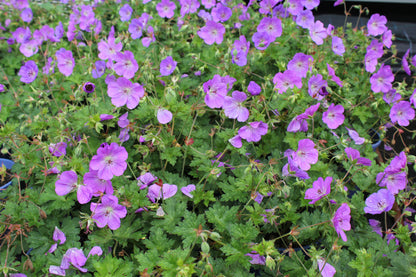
x: 171, y: 154
x: 187, y: 228
x: 111, y: 266
x: 222, y: 216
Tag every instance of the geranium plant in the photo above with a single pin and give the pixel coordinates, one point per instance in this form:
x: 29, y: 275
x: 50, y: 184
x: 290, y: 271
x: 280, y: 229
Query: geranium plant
x: 203, y: 138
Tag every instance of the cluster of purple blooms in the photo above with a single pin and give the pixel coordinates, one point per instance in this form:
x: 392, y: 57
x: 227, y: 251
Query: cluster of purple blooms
x: 73, y: 256
x: 160, y: 190
x: 110, y: 161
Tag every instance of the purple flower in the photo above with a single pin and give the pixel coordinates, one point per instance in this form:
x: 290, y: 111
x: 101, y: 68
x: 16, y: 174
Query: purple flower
x: 315, y: 84
x: 67, y: 182
x: 110, y: 161
x: 87, y: 17
x: 157, y: 192
x: 29, y: 48
x: 240, y: 50
x: 413, y: 98
x: 212, y: 32
x: 125, y: 12
x: 204, y: 15
x: 272, y: 26
x: 166, y: 8
x: 28, y: 72
x: 310, y: 4
x: 305, y: 155
x: 405, y: 63
x: 221, y: 13
x: 261, y: 40
x: 99, y: 69
x: 401, y: 113
x: 299, y: 123
x: 375, y: 225
x: 305, y: 19
x: 26, y: 15
x: 292, y: 169
x: 393, y: 175
x: 96, y: 250
x: 75, y: 257
x: 370, y: 61
x: 126, y: 65
x: 215, y: 90
x: 58, y: 235
x: 19, y: 4
x: 58, y: 149
x: 167, y: 66
x: 268, y: 215
x: 136, y: 28
x: 301, y: 64
x: 325, y: 268
x: 376, y: 25
x: 150, y: 37
x: 253, y: 131
x: 96, y: 185
x: 65, y: 61
x: 354, y: 155
x: 375, y: 48
x: 123, y: 121
x: 341, y: 220
x: 188, y: 189
x: 391, y: 96
x: 338, y: 46
x: 164, y: 116
x: 233, y: 106
x: 88, y: 87
x: 331, y: 73
x: 56, y: 270
x: 295, y: 7
x: 21, y: 35
x: 49, y: 67
x: 189, y: 6
x: 108, y: 212
x: 334, y: 116
x: 320, y: 188
x: 395, y: 181
x: 104, y: 117
x: 109, y: 50
x: 382, y: 80
x: 236, y: 141
x: 387, y: 36
x: 145, y: 180
x: 124, y: 92
x: 378, y: 202
x: 318, y: 32
x: 266, y: 6
x: 253, y: 88
x: 208, y: 4
x: 355, y: 136
x: 257, y: 197
x: 256, y: 258
x: 288, y: 79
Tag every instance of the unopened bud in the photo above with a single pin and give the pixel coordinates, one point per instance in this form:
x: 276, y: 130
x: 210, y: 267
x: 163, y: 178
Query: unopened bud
x: 205, y: 247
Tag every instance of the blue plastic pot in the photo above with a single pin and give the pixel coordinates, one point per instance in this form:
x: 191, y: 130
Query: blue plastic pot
x: 375, y: 137
x: 8, y: 164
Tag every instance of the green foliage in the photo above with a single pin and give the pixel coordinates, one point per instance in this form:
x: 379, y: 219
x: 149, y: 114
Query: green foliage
x: 110, y: 266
